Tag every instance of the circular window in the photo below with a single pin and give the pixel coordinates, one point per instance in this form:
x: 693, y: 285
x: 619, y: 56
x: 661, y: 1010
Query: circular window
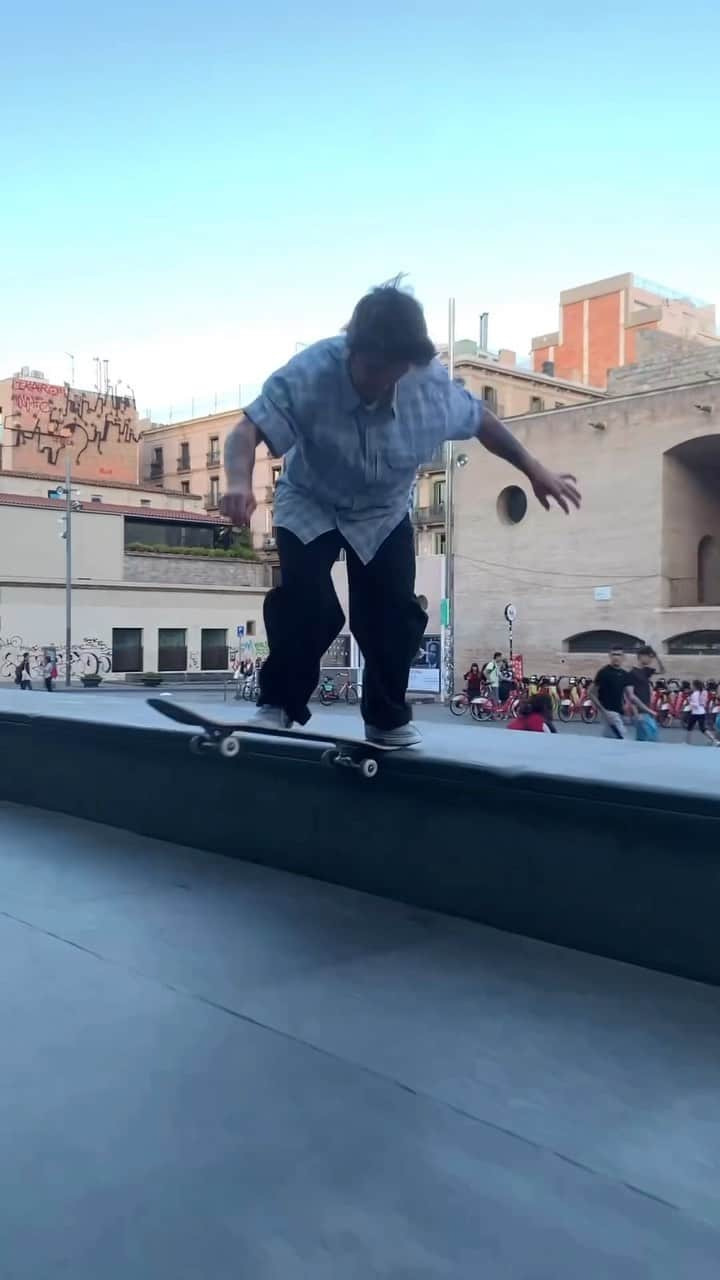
x: 512, y: 504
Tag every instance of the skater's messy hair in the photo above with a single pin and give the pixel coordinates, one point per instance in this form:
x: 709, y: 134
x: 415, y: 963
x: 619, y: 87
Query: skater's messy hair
x: 388, y: 326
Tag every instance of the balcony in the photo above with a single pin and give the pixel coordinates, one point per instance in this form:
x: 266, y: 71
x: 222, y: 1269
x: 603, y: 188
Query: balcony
x: 212, y: 500
x: 213, y: 458
x: 155, y: 471
x: 183, y: 463
x: 429, y: 515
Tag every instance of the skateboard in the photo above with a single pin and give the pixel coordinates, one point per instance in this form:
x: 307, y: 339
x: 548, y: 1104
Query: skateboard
x: 225, y: 737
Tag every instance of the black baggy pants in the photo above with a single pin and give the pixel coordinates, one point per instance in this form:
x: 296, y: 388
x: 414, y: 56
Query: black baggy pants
x: 303, y: 617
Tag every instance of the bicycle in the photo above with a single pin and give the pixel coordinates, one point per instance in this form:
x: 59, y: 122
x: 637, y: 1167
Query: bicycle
x: 347, y: 692
x: 576, y: 702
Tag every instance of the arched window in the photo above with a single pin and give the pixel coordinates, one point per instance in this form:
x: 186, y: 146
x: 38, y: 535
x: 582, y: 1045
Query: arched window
x: 601, y: 642
x: 698, y: 643
x: 708, y: 570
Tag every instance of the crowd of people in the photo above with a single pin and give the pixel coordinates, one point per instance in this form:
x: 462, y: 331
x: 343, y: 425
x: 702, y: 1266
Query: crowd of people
x: 622, y: 696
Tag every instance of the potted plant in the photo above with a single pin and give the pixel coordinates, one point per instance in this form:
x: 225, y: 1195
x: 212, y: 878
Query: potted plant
x: 91, y: 682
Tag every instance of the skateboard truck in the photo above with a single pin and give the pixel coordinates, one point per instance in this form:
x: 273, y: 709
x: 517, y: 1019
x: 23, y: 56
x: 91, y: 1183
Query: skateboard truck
x: 343, y: 758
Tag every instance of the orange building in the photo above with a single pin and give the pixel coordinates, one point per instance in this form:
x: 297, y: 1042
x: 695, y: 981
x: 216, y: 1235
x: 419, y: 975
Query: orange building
x: 599, y: 323
x: 39, y: 418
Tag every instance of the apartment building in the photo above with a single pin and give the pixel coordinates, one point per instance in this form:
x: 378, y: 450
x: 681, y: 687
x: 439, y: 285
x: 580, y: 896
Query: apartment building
x: 599, y: 324
x: 188, y: 456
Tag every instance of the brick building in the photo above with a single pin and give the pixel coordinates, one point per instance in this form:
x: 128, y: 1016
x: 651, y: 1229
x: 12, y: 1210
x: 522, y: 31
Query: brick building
x: 639, y: 562
x: 38, y: 419
x: 600, y: 323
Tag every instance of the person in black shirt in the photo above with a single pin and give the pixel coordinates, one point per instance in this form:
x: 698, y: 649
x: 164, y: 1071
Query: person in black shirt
x: 640, y: 677
x: 608, y: 693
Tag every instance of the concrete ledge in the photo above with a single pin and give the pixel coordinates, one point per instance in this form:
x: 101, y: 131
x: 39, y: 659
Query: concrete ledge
x: 524, y: 840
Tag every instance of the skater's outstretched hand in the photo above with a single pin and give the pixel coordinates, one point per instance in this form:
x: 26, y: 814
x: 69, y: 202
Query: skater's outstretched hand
x: 562, y: 488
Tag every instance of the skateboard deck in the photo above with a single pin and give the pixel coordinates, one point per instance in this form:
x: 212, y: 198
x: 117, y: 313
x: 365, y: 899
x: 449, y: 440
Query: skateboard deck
x: 225, y: 737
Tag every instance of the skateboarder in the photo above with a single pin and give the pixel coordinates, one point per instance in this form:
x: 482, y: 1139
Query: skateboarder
x: 354, y: 416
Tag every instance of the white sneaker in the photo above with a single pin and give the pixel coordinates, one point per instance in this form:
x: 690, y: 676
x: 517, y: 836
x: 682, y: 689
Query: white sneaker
x: 406, y: 735
x: 271, y: 718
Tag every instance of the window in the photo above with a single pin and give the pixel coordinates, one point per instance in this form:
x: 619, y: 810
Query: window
x: 559, y: 404
x: 184, y: 459
x: 184, y: 486
x: 157, y: 467
x: 695, y: 642
x: 438, y: 493
x: 213, y: 649
x: 439, y: 544
x: 489, y: 395
x: 127, y: 649
x: 213, y: 458
x: 536, y: 404
x: 276, y: 473
x: 96, y: 498
x: 172, y: 649
x: 145, y: 502
x: 602, y: 642
x: 250, y: 627
x: 512, y: 504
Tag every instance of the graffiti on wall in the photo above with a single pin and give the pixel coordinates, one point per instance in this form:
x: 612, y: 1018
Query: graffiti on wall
x: 91, y: 657
x: 102, y: 430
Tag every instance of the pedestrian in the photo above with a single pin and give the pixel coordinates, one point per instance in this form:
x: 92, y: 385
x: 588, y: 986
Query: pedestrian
x: 353, y: 417
x: 473, y: 680
x: 491, y: 672
x: 696, y: 713
x: 639, y: 693
x: 534, y: 715
x: 607, y: 692
x: 22, y: 672
x: 49, y: 673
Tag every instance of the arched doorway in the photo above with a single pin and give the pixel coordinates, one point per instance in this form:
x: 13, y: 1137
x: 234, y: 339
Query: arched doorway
x: 708, y: 570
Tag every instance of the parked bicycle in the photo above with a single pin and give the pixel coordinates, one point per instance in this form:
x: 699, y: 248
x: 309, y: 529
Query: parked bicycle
x: 575, y: 702
x: 329, y: 692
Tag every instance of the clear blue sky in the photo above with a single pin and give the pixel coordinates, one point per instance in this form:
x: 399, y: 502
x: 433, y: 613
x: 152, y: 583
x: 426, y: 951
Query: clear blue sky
x: 191, y: 189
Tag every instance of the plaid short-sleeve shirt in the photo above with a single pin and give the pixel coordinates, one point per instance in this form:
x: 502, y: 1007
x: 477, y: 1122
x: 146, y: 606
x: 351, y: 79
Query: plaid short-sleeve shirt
x: 350, y: 466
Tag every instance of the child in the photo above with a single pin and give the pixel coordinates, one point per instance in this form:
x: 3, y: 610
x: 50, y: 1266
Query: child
x: 535, y: 716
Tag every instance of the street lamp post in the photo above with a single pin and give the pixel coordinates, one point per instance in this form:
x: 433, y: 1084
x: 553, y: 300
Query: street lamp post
x: 447, y: 619
x: 68, y: 566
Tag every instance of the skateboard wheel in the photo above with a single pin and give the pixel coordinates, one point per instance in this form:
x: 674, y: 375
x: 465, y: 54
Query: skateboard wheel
x: 369, y: 768
x: 229, y: 747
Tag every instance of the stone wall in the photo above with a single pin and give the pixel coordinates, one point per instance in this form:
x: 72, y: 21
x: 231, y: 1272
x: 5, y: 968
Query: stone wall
x: 602, y: 568
x: 665, y: 360
x: 196, y: 571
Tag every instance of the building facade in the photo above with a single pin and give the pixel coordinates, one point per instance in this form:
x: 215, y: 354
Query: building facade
x: 154, y: 588
x: 639, y: 563
x: 600, y: 322
x: 39, y: 420
x: 509, y: 390
x: 188, y: 456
